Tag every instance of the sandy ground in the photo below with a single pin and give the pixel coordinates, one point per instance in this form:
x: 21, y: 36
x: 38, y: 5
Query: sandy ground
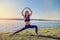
x: 44, y: 34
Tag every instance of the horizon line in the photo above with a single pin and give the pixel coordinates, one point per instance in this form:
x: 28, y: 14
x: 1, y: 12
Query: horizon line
x: 31, y: 19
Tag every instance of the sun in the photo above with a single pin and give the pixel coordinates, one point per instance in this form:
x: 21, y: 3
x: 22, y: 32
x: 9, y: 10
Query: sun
x: 3, y: 11
x: 6, y: 11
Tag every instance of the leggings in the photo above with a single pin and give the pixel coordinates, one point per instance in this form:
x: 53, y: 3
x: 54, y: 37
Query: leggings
x: 26, y: 27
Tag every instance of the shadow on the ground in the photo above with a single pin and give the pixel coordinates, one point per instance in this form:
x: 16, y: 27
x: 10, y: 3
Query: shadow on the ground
x: 57, y: 38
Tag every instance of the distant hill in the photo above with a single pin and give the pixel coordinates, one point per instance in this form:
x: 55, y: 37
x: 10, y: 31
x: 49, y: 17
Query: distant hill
x: 31, y: 19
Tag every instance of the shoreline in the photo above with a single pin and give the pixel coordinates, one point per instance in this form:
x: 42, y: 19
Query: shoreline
x: 40, y: 29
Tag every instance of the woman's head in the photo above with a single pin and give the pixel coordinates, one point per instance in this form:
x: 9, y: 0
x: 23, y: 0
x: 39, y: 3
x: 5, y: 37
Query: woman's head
x: 27, y: 14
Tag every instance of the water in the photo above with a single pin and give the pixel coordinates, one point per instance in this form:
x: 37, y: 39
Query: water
x: 14, y: 25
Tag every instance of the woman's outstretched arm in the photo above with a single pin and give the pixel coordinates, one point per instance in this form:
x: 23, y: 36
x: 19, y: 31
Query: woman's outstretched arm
x: 31, y: 11
x: 26, y: 8
x: 23, y: 11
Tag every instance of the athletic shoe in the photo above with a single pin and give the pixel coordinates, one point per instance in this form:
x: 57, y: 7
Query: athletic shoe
x: 36, y: 34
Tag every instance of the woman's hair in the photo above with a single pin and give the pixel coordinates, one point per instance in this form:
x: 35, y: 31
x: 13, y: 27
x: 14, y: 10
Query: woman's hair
x: 26, y: 12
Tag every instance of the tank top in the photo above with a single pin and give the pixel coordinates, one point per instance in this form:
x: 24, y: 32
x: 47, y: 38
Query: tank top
x: 26, y: 19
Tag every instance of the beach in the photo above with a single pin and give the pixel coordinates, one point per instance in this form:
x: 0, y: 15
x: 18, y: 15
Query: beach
x: 47, y: 30
x: 44, y: 34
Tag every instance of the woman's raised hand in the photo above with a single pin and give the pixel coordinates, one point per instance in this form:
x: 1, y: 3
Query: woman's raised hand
x: 26, y: 8
x: 29, y: 9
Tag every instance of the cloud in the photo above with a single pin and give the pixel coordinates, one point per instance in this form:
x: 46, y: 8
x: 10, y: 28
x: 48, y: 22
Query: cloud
x: 47, y: 2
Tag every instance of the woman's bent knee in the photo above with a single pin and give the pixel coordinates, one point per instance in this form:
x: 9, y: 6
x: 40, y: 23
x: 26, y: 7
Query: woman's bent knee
x: 33, y: 26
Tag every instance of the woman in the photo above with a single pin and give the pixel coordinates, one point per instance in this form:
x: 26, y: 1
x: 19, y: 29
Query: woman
x: 27, y: 21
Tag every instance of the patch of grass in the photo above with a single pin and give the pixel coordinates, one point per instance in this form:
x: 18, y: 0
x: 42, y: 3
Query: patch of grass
x: 45, y: 34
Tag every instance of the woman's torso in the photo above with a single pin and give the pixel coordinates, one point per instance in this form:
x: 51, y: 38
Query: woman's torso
x: 27, y: 20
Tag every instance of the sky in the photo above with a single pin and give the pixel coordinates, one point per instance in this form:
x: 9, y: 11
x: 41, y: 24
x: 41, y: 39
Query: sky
x: 42, y: 9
